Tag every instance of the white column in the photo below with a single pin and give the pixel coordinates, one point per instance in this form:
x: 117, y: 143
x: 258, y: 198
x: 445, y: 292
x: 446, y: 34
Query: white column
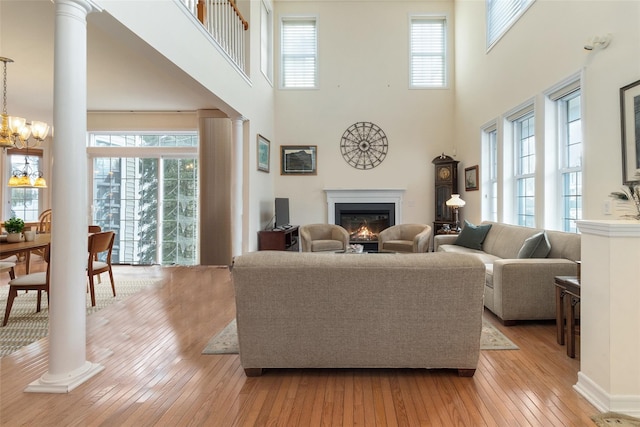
x: 68, y: 366
x: 609, y: 374
x: 236, y: 186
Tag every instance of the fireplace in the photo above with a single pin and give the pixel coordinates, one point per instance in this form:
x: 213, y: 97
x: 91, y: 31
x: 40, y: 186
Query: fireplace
x: 364, y: 221
x: 378, y: 208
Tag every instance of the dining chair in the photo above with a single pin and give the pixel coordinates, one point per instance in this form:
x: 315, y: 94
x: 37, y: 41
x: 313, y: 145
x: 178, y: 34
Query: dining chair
x: 29, y: 282
x: 44, y: 226
x: 8, y: 265
x: 100, y: 243
x: 44, y: 221
x: 96, y: 229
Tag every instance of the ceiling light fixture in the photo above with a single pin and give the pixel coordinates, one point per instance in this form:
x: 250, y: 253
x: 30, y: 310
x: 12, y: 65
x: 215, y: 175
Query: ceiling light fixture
x: 16, y: 131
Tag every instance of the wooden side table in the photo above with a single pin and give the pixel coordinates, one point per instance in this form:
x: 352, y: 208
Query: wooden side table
x: 567, y: 287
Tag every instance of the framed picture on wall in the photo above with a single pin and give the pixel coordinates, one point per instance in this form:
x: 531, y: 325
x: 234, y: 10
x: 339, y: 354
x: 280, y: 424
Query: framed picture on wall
x: 264, y: 153
x: 298, y: 159
x: 471, y: 178
x: 630, y: 124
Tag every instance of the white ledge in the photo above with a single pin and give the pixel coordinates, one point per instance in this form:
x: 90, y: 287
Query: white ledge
x: 610, y: 228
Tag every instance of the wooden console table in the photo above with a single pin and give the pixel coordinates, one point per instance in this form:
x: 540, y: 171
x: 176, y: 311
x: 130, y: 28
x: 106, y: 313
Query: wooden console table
x: 569, y: 287
x: 279, y: 240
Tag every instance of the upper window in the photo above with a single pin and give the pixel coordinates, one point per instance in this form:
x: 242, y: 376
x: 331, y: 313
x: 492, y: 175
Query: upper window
x: 299, y: 53
x: 266, y: 40
x: 501, y: 15
x: 428, y: 68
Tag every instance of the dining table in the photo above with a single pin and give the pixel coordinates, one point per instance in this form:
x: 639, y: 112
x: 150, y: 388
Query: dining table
x: 8, y: 249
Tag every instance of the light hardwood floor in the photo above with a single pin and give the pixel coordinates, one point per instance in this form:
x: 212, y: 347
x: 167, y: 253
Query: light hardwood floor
x: 150, y: 345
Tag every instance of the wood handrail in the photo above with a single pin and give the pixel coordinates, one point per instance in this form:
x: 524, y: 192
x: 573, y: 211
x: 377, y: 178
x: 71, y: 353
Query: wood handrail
x: 245, y: 24
x: 202, y: 7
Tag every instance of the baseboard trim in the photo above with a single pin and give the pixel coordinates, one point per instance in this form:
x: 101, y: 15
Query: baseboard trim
x: 605, y: 402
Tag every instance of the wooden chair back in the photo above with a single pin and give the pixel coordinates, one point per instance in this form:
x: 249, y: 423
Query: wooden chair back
x: 99, y: 243
x: 95, y: 229
x: 44, y: 222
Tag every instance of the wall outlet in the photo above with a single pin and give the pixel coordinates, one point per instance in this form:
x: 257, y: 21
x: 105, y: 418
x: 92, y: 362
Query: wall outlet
x: 606, y: 207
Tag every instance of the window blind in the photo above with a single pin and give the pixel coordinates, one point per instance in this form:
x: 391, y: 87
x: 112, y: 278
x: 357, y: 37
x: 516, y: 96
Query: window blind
x: 428, y: 52
x: 501, y: 14
x: 299, y: 53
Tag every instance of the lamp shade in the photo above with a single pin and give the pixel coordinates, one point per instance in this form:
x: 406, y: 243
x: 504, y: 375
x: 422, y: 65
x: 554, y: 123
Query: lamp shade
x: 455, y: 201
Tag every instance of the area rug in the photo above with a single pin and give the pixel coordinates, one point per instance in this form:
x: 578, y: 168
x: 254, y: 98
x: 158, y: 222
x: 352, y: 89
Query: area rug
x: 614, y: 419
x: 226, y: 341
x: 26, y: 325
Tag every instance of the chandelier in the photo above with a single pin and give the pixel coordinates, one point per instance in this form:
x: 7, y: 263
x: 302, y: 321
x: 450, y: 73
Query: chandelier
x: 16, y: 131
x: 27, y: 177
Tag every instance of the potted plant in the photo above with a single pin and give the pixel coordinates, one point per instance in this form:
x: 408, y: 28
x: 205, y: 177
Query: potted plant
x: 14, y: 227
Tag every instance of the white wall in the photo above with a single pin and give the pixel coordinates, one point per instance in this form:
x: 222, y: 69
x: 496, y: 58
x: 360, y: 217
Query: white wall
x: 363, y: 76
x: 542, y: 49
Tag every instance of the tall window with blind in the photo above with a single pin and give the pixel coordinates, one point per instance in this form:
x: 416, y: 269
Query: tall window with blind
x: 24, y: 203
x: 525, y: 168
x: 501, y: 15
x: 299, y: 53
x: 570, y: 143
x: 428, y: 59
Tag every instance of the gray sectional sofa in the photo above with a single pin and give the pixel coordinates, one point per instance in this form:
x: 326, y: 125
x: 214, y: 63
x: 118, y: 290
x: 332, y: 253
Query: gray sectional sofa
x: 379, y: 310
x: 519, y: 288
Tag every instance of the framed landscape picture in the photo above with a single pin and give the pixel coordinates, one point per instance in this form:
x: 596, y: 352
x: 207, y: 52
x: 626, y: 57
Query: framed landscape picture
x: 264, y: 150
x: 471, y: 178
x: 630, y: 124
x: 298, y: 159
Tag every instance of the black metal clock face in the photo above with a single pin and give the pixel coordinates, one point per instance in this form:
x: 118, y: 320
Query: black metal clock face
x: 364, y: 145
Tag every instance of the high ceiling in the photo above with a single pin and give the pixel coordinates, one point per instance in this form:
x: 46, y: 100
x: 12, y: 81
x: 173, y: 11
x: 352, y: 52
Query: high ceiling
x: 123, y: 72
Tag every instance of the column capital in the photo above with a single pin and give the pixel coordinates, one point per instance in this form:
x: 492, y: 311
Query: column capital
x: 87, y: 6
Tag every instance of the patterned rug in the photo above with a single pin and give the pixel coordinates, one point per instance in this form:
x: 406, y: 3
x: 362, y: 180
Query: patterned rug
x: 25, y: 325
x: 614, y: 419
x: 226, y: 341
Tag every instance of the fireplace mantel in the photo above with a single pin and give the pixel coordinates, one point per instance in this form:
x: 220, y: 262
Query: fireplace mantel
x: 386, y: 195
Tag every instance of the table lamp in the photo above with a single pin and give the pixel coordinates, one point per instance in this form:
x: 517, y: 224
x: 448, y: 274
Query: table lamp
x: 456, y: 203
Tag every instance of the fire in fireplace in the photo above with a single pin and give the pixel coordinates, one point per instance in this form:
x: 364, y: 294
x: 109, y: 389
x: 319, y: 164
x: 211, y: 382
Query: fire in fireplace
x: 364, y: 221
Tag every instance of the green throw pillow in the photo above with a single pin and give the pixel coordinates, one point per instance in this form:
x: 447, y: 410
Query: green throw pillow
x: 536, y: 246
x: 472, y: 236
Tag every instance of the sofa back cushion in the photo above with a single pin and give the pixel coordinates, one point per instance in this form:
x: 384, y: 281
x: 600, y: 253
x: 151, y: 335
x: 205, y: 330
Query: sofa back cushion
x: 505, y: 241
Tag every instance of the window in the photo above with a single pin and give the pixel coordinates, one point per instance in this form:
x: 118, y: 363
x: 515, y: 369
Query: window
x: 299, y: 54
x: 428, y: 67
x: 24, y: 203
x: 266, y: 40
x: 501, y: 15
x: 525, y: 164
x: 492, y: 193
x: 570, y: 143
x: 145, y: 188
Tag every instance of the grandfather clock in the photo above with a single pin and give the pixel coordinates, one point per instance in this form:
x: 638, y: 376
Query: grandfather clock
x: 446, y: 183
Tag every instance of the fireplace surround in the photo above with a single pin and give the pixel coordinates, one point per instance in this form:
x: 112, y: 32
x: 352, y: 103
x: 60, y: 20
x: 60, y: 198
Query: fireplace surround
x: 356, y: 209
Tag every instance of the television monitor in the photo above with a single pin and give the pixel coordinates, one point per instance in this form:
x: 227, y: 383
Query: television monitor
x: 282, y: 212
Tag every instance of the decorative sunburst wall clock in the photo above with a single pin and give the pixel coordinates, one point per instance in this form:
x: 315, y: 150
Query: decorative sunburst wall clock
x: 364, y: 145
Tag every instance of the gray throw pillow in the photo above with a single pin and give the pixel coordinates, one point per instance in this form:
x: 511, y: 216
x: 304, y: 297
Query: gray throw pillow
x: 472, y: 236
x: 536, y: 246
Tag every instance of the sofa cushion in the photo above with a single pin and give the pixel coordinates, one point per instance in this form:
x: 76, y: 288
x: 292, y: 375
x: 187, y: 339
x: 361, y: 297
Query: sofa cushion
x: 472, y: 235
x: 481, y: 255
x: 488, y: 275
x: 536, y: 246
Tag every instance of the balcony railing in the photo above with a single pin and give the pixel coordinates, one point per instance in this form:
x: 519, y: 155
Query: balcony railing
x: 225, y: 23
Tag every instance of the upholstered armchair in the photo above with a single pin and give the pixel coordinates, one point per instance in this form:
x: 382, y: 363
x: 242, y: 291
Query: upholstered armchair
x: 323, y: 237
x: 405, y: 238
